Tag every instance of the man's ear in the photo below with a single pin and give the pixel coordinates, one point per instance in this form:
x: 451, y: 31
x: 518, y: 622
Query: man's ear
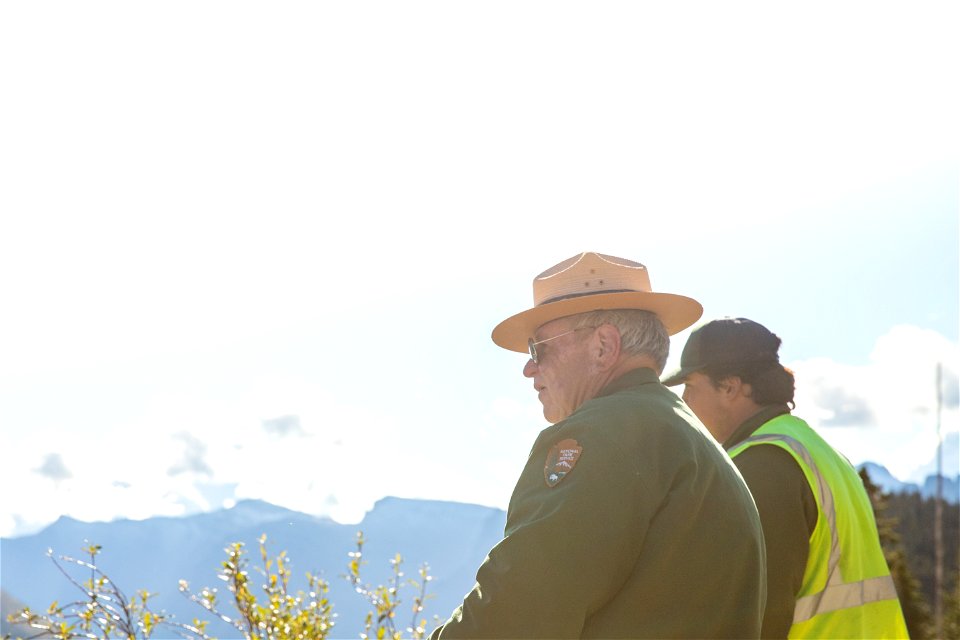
x: 608, y: 339
x: 733, y: 386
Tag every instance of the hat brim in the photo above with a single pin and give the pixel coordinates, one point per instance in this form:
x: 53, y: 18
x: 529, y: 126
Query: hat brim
x: 676, y: 312
x: 678, y: 376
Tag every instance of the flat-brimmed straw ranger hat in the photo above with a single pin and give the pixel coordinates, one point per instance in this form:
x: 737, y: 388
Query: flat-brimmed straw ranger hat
x: 588, y: 282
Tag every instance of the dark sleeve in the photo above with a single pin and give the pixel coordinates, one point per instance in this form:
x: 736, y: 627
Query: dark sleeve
x: 788, y: 513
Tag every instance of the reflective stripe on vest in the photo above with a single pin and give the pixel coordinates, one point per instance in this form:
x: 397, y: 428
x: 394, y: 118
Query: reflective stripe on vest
x: 837, y: 594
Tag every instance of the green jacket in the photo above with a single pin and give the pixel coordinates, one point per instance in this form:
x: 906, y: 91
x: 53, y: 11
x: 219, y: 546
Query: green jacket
x: 639, y: 526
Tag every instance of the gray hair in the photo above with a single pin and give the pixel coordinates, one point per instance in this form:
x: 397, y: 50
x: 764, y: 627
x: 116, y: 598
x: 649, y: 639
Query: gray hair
x: 641, y: 332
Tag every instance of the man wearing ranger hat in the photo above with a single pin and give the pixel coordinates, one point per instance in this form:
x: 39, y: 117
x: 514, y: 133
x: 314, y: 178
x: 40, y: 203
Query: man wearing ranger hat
x: 628, y: 519
x: 826, y: 574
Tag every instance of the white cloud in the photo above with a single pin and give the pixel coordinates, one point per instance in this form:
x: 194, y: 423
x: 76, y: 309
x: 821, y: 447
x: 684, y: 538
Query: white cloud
x: 282, y: 425
x: 192, y: 460
x: 883, y: 411
x: 54, y: 468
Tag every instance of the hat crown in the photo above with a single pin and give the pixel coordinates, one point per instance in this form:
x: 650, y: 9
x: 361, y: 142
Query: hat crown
x: 587, y: 274
x: 728, y: 341
x: 592, y: 282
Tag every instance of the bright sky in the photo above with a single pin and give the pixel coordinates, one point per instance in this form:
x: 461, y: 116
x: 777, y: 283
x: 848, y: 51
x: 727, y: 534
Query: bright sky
x: 255, y: 249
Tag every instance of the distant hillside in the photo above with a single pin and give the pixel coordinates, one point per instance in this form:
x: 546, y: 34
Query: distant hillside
x: 913, y: 519
x: 154, y: 554
x: 9, y: 605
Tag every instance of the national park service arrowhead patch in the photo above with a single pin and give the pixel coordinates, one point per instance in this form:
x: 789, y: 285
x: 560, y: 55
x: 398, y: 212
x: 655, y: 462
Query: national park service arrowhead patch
x: 561, y: 459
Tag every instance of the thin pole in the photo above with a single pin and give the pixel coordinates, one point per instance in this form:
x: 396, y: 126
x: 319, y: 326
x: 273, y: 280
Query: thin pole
x: 938, y: 520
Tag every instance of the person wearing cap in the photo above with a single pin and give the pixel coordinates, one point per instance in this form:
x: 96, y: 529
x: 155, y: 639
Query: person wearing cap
x: 628, y: 520
x: 826, y: 573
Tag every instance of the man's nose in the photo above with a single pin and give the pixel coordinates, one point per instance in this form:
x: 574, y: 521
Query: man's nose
x: 529, y: 369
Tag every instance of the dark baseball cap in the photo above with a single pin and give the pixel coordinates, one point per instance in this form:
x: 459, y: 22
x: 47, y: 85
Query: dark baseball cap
x: 724, y: 342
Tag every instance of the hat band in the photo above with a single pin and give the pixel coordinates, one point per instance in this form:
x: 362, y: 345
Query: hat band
x: 586, y: 293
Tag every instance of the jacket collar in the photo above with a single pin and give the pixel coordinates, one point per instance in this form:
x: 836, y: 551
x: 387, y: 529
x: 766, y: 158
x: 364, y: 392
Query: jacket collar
x: 632, y: 378
x: 754, y: 422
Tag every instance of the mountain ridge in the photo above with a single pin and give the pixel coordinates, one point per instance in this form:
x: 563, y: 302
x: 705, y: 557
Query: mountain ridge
x: 889, y: 483
x: 155, y: 553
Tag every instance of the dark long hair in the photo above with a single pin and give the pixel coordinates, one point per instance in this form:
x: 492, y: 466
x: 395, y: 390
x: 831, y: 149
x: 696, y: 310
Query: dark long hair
x: 770, y: 381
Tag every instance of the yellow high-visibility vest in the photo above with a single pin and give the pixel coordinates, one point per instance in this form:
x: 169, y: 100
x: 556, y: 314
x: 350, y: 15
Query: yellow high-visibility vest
x: 847, y: 591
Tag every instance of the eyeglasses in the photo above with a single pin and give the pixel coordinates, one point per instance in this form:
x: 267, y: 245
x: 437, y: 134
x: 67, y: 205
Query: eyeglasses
x: 532, y: 345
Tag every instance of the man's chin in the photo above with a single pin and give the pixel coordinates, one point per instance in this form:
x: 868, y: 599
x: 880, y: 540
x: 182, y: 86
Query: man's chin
x: 551, y: 416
